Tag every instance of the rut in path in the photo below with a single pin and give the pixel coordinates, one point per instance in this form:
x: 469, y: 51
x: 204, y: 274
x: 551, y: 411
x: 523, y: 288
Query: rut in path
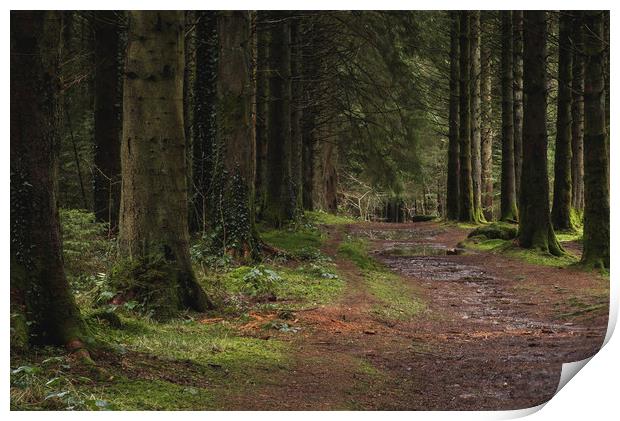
x: 490, y: 338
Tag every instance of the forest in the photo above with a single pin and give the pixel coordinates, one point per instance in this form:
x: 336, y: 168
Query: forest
x: 306, y: 210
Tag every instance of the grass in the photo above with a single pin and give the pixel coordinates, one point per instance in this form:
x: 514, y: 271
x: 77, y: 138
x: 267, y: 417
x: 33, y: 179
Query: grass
x: 356, y: 250
x: 320, y: 217
x: 507, y: 248
x: 300, y: 241
x: 398, y: 300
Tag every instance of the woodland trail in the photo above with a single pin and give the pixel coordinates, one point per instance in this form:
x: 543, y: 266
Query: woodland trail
x: 493, y: 334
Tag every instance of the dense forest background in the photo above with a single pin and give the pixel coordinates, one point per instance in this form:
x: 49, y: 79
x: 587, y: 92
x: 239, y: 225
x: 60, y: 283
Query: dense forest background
x: 148, y: 148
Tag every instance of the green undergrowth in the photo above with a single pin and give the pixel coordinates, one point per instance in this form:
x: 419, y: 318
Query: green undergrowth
x: 508, y: 248
x: 181, y: 364
x: 398, y: 300
x: 320, y: 217
x: 301, y: 241
x: 298, y: 286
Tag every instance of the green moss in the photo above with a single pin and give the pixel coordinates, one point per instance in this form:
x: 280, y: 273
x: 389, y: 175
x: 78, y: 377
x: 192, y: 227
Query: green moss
x: 148, y: 395
x: 563, y: 236
x: 357, y: 251
x: 508, y: 248
x: 501, y: 230
x: 308, y: 284
x: 320, y: 217
x: 299, y: 241
x: 398, y: 300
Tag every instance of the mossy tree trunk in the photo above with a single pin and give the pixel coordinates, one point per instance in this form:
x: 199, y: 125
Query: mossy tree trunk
x: 107, y: 131
x: 577, y: 200
x: 561, y: 210
x: 508, y: 186
x: 517, y: 54
x: 535, y: 228
x: 486, y: 115
x: 452, y: 190
x: 153, y: 222
x: 596, y: 153
x: 205, y: 130
x: 39, y: 288
x: 466, y: 202
x: 474, y: 97
x: 236, y: 137
x: 279, y: 201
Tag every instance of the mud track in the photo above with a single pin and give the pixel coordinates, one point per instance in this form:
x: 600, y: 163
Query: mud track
x: 493, y: 336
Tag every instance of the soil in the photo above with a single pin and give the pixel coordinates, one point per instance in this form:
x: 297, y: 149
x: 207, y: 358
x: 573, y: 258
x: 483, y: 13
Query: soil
x: 494, y: 335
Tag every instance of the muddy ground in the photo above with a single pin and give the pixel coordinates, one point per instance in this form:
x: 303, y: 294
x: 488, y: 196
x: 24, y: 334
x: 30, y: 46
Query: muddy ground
x: 494, y: 333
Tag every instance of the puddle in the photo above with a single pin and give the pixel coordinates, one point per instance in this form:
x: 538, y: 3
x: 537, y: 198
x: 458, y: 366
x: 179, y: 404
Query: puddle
x: 412, y: 249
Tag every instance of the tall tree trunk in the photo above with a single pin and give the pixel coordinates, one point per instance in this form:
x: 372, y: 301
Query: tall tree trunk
x: 452, y: 190
x: 153, y: 222
x: 561, y: 211
x: 262, y: 105
x: 486, y: 131
x: 596, y: 152
x: 205, y: 130
x: 39, y: 288
x: 236, y: 136
x: 509, y: 196
x: 535, y: 228
x: 296, y: 114
x: 577, y: 114
x: 108, y: 96
x: 474, y: 86
x: 517, y: 19
x: 279, y: 203
x: 329, y: 173
x: 466, y: 209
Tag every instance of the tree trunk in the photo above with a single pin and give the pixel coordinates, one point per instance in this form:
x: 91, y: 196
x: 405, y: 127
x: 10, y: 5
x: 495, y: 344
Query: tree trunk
x: 234, y: 224
x: 535, y: 229
x: 596, y: 153
x: 279, y: 203
x: 108, y: 96
x: 153, y: 221
x: 508, y: 193
x: 561, y: 211
x: 205, y: 130
x: 517, y: 20
x: 296, y: 115
x: 474, y: 86
x: 577, y: 114
x: 452, y: 190
x: 486, y: 132
x: 262, y: 106
x: 329, y: 174
x: 39, y: 288
x: 466, y: 210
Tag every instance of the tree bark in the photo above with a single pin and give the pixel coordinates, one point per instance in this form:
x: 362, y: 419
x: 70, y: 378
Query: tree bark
x: 466, y: 207
x: 452, y: 190
x: 296, y: 115
x: 508, y: 193
x: 108, y: 96
x: 561, y: 211
x: 153, y: 222
x: 535, y: 228
x: 262, y: 106
x: 596, y: 152
x: 486, y: 131
x: 476, y: 163
x: 205, y: 127
x: 39, y: 288
x: 577, y: 198
x: 235, y: 226
x: 517, y: 19
x: 279, y: 201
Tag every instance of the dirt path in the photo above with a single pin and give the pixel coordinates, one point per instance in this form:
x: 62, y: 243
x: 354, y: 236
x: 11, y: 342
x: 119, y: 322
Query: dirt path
x: 491, y: 337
